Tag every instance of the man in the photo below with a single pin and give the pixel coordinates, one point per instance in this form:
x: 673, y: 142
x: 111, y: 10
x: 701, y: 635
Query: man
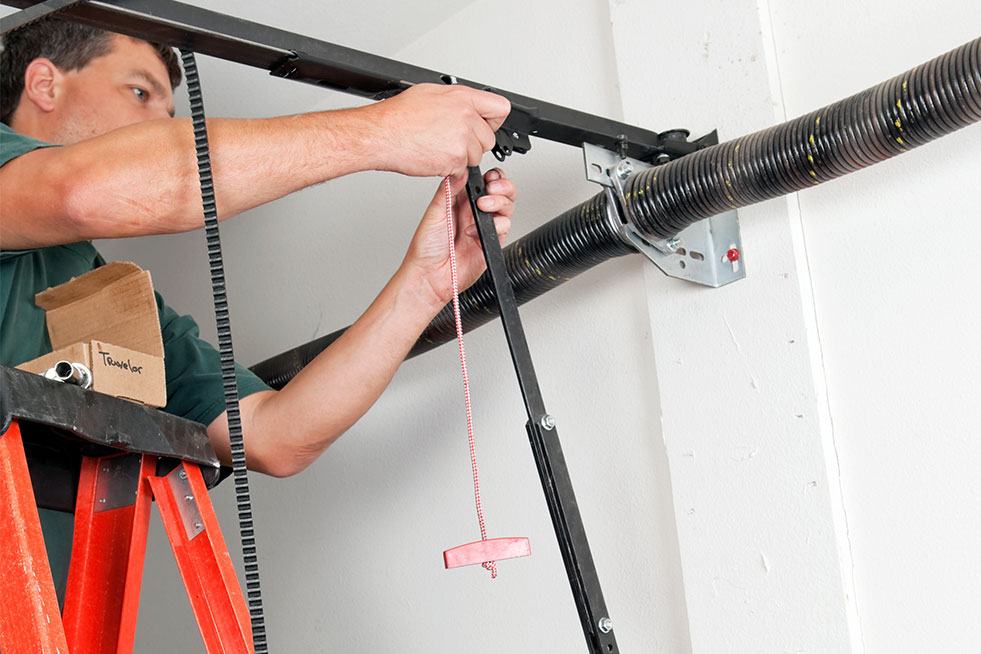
x: 127, y: 168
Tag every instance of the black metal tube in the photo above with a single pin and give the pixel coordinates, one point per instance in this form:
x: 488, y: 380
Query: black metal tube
x: 893, y: 117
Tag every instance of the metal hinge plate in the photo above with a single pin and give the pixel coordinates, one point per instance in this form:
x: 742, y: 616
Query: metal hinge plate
x: 708, y: 252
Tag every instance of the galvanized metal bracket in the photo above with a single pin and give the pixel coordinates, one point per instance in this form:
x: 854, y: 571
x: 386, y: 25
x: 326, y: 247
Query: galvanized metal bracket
x: 187, y: 506
x: 708, y: 252
x: 117, y: 482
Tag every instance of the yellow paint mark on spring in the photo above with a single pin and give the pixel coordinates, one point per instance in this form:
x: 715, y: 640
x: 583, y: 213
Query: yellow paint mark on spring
x: 818, y: 121
x: 900, y: 141
x: 899, y: 103
x: 810, y: 158
x: 538, y: 272
x: 552, y: 278
x: 737, y: 147
x: 898, y: 124
x: 527, y: 263
x: 811, y: 139
x: 813, y: 174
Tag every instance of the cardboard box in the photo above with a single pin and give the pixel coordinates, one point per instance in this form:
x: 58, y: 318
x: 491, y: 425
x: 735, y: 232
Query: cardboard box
x: 107, y: 319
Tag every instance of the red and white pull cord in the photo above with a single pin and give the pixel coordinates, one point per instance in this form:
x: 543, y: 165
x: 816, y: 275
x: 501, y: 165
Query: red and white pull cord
x: 489, y: 565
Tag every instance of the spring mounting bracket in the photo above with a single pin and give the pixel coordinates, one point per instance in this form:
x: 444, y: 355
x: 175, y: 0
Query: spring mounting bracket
x: 708, y: 252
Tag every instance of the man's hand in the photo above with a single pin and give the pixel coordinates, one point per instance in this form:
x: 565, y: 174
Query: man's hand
x: 344, y: 380
x: 429, y: 249
x: 436, y: 131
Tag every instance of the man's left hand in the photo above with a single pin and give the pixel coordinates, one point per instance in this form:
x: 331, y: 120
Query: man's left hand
x: 429, y: 249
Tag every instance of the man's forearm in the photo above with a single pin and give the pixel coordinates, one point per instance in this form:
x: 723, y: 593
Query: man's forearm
x: 286, y: 431
x: 143, y: 179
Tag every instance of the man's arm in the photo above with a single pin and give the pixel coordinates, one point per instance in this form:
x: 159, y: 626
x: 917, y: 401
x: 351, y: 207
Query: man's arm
x: 286, y: 431
x: 142, y: 179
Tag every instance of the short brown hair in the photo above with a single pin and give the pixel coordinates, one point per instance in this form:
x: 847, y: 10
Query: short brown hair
x: 69, y: 46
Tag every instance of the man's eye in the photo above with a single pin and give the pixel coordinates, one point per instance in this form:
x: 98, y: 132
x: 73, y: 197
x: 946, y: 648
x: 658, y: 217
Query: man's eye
x: 140, y: 93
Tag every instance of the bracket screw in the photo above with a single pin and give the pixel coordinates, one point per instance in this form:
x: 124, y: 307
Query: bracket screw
x: 548, y: 422
x: 182, y: 474
x: 624, y: 168
x: 663, y: 158
x: 673, y: 244
x: 102, y: 500
x: 605, y: 625
x: 198, y: 525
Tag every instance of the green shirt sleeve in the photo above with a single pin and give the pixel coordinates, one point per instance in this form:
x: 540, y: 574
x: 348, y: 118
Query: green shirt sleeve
x: 193, y: 367
x: 13, y: 145
x: 194, y: 386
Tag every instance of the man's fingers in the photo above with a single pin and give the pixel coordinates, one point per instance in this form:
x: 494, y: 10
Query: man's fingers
x: 498, y: 204
x: 493, y: 174
x: 503, y: 187
x: 492, y: 107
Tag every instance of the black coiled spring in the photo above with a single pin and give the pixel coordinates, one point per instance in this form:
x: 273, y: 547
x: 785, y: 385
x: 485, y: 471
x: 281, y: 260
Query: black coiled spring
x: 923, y: 104
x: 571, y: 243
x: 907, y: 111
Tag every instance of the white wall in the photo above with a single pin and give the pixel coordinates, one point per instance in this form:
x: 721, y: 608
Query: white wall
x: 891, y: 254
x: 849, y: 528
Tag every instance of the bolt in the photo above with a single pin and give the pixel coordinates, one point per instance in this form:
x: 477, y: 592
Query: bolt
x: 624, y: 168
x: 548, y: 422
x: 514, y: 134
x: 605, y: 625
x: 673, y: 244
x: 198, y: 525
x: 106, y: 469
x: 663, y: 158
x: 102, y: 500
x: 182, y: 474
x: 188, y: 497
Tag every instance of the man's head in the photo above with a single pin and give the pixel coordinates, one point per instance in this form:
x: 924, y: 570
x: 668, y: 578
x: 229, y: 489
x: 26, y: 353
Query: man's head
x: 64, y: 82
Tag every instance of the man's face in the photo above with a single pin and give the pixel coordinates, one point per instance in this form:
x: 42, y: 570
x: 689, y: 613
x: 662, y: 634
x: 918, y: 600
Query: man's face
x: 128, y: 85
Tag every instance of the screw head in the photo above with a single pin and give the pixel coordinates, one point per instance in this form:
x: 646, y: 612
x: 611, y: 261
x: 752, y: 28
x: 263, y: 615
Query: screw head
x: 605, y: 625
x: 548, y: 422
x: 188, y: 497
x: 673, y: 244
x: 182, y: 474
x: 663, y: 158
x: 624, y: 168
x: 102, y: 500
x: 198, y: 525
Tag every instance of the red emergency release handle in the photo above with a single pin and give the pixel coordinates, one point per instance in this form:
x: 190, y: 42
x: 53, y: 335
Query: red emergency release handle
x: 483, y: 551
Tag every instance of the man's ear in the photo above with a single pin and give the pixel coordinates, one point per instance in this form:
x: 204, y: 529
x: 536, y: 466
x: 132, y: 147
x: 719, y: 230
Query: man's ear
x: 42, y: 83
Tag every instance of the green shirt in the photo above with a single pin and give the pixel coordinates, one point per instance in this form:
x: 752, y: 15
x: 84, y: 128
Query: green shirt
x: 194, y: 389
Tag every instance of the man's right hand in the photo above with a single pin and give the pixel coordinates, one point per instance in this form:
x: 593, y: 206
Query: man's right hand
x: 436, y: 131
